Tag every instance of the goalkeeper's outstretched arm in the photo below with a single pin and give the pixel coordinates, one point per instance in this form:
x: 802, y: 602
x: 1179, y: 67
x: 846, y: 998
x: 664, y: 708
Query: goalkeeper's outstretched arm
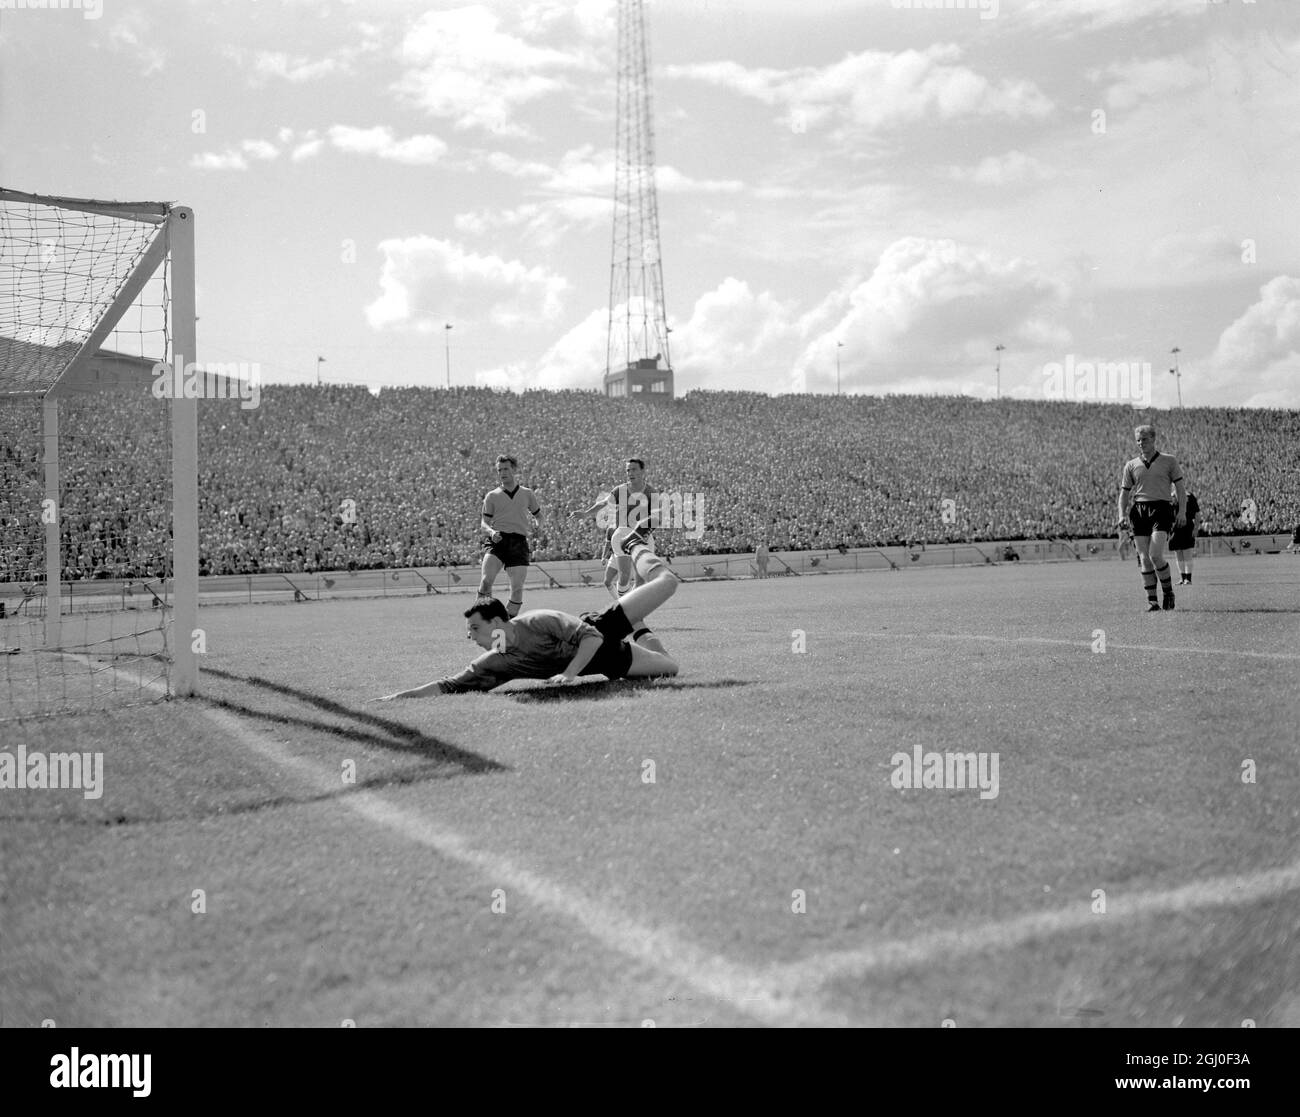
x: 429, y: 690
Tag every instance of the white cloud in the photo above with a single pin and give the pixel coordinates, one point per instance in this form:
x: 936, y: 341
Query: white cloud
x: 584, y: 170
x: 235, y: 158
x: 1256, y: 362
x: 461, y: 66
x: 932, y: 308
x: 130, y: 33
x: 1003, y: 170
x: 1096, y: 15
x: 1142, y: 81
x: 293, y: 68
x: 877, y: 89
x: 1191, y: 255
x: 543, y: 224
x: 426, y: 281
x: 229, y: 160
x: 734, y: 339
x: 380, y: 142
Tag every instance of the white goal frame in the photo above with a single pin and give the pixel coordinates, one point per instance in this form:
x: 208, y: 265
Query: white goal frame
x: 177, y: 240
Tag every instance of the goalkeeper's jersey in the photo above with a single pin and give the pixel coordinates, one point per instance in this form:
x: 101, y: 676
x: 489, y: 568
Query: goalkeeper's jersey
x: 545, y: 642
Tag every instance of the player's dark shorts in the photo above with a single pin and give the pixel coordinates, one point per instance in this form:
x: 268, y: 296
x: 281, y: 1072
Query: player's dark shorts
x: 615, y: 656
x: 1183, y: 538
x: 614, y: 659
x: 512, y: 550
x: 1148, y: 516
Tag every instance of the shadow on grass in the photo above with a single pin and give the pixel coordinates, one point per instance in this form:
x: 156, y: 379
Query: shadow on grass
x: 597, y: 691
x: 1242, y: 609
x: 367, y: 728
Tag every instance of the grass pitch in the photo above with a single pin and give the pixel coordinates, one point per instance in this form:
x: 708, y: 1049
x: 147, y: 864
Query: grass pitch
x: 724, y: 848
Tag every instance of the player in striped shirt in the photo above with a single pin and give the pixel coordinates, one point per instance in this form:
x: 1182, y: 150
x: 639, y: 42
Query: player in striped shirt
x: 506, y: 510
x: 1146, y: 488
x: 631, y: 504
x: 559, y: 647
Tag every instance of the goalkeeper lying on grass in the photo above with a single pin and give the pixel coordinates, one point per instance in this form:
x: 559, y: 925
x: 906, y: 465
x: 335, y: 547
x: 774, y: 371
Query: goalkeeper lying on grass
x: 559, y: 647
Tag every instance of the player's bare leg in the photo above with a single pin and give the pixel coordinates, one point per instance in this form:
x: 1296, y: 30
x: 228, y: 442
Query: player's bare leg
x: 518, y: 575
x: 492, y: 566
x: 611, y: 578
x: 648, y: 663
x: 660, y: 584
x: 1185, y: 567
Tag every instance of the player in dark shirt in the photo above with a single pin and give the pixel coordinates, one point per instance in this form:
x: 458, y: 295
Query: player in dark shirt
x: 559, y: 647
x: 631, y: 504
x: 1183, y: 541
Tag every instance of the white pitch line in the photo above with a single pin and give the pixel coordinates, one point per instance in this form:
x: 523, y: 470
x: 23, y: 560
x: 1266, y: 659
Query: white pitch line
x: 746, y: 990
x: 937, y: 947
x: 1088, y: 644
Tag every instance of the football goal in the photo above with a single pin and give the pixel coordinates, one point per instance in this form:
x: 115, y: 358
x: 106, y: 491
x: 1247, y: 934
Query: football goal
x: 98, y: 456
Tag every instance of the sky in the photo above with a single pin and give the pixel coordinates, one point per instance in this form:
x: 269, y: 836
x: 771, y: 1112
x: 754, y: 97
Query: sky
x: 899, y: 187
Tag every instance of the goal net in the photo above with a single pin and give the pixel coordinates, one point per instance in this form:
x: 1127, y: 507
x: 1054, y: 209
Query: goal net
x: 98, y: 467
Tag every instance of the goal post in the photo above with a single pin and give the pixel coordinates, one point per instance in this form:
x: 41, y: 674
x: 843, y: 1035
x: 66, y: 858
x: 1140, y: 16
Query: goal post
x: 78, y: 274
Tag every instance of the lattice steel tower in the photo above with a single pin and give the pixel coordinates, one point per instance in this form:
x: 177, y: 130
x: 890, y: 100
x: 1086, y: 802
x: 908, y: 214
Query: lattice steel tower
x: 637, y: 361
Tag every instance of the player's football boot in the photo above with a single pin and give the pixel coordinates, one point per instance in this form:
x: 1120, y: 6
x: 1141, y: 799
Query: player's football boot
x: 1153, y: 606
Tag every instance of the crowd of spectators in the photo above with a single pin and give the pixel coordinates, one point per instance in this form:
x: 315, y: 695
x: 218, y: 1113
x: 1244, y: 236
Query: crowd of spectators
x: 338, y: 478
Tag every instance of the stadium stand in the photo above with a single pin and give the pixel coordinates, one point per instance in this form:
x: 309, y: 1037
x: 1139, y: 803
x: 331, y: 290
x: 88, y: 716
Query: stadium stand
x: 801, y: 471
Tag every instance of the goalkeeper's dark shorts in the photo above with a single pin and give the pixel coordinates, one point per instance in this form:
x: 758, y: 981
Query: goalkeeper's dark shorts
x: 512, y: 550
x: 615, y: 656
x: 1148, y: 516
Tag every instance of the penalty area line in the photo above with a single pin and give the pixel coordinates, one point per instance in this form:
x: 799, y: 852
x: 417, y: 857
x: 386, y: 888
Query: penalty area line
x: 663, y: 952
x: 812, y: 973
x: 1088, y: 644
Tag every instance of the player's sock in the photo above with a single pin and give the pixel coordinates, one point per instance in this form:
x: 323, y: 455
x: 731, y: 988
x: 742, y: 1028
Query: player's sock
x: 512, y: 607
x: 649, y: 640
x: 1189, y: 578
x: 625, y: 578
x: 1149, y: 583
x: 1166, y: 579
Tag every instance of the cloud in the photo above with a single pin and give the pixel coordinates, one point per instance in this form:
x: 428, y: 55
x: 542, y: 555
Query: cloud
x: 459, y: 65
x: 426, y: 281
x: 733, y: 339
x: 235, y: 159
x: 1139, y: 82
x: 932, y: 309
x: 876, y: 89
x: 543, y: 224
x: 1186, y: 256
x: 1257, y: 358
x: 1003, y: 170
x: 380, y: 142
x: 584, y: 170
x: 130, y: 33
x: 1097, y: 15
x: 295, y: 68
